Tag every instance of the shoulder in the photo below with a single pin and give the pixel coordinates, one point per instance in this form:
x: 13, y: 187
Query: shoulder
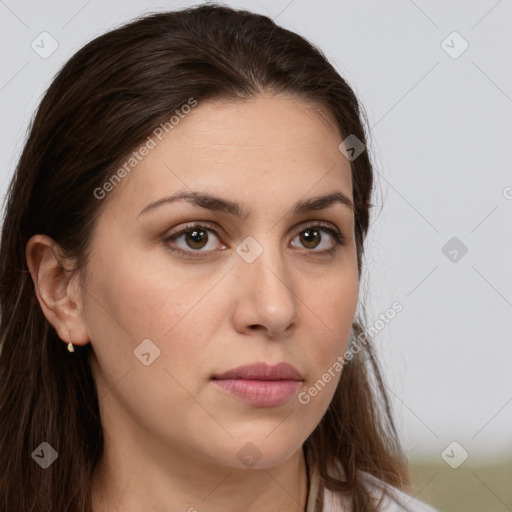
x: 391, y: 499
x: 395, y: 499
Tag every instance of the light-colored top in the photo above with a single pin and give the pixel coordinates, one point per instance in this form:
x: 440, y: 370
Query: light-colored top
x: 397, y: 501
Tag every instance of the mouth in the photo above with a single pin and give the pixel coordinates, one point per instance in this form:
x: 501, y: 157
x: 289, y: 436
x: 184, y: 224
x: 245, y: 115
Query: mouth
x: 260, y: 384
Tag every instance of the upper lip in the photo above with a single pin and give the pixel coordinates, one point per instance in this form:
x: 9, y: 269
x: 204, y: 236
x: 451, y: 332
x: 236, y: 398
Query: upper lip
x: 262, y: 371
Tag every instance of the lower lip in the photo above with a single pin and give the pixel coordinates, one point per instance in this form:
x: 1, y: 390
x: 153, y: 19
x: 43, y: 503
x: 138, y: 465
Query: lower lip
x: 260, y: 393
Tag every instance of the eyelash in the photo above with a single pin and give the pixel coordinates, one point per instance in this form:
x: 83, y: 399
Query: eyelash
x: 339, y: 239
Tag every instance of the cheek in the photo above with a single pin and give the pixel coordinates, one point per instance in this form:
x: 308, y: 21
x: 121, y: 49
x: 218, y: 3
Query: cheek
x: 334, y: 302
x: 135, y: 296
x: 144, y: 295
x: 135, y: 300
x: 334, y: 308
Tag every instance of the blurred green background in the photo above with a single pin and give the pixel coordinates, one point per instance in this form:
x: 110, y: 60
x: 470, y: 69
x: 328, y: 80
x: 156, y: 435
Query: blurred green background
x: 469, y: 488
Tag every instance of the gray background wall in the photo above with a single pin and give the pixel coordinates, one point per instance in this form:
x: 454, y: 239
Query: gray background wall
x: 441, y: 127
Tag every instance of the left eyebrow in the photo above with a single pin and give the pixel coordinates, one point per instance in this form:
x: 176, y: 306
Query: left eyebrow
x: 322, y: 202
x: 220, y: 204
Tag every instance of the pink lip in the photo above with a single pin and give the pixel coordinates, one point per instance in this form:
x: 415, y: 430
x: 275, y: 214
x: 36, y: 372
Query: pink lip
x: 261, y: 385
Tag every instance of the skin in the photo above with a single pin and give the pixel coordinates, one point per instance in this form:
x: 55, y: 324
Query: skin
x: 171, y: 436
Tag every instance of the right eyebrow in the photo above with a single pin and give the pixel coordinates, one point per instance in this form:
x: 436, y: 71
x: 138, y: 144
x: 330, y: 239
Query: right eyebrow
x: 203, y: 200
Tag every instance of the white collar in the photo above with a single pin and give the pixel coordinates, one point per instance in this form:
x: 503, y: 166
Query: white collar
x: 395, y: 501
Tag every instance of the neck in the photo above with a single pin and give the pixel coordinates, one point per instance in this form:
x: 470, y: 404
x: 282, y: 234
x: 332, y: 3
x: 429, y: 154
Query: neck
x: 153, y: 479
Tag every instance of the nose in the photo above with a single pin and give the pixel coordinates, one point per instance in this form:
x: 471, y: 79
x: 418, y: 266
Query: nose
x: 265, y: 296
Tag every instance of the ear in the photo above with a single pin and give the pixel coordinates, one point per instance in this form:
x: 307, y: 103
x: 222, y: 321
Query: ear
x: 57, y: 289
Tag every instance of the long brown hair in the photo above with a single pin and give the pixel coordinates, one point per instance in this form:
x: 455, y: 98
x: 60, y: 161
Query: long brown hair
x: 102, y: 104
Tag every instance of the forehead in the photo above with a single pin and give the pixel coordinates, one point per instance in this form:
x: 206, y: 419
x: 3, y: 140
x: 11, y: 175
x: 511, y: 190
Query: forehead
x: 266, y: 146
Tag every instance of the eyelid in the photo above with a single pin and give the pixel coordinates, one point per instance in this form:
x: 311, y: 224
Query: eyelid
x: 316, y: 223
x: 193, y: 225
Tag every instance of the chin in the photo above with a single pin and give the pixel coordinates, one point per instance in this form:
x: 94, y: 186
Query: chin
x: 265, y: 448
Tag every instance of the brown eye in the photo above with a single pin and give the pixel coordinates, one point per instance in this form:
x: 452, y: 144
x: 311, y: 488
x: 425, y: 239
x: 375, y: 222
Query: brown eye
x: 310, y: 238
x: 196, y: 238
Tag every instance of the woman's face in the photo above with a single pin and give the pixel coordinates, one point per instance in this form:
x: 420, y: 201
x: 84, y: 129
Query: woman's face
x: 182, y: 292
